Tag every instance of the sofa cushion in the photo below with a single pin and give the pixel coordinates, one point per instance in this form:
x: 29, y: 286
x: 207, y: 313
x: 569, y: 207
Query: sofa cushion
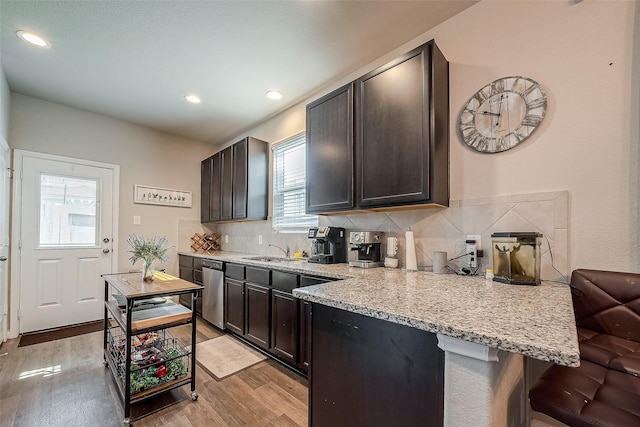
x: 607, y: 302
x: 588, y: 396
x: 609, y: 351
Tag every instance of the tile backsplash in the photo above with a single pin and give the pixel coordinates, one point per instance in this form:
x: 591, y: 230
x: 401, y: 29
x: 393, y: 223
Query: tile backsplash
x: 435, y: 229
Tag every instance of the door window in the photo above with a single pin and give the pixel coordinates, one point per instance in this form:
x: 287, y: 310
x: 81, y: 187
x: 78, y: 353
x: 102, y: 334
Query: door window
x: 68, y: 211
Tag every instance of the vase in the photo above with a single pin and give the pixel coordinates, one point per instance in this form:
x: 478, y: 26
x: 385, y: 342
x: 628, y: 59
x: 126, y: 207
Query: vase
x: 148, y: 271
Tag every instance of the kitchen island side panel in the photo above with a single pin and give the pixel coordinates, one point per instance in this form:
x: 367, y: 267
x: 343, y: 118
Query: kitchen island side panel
x: 370, y: 372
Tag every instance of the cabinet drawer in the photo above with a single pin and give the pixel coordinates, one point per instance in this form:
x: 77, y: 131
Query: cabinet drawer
x: 284, y: 281
x: 185, y: 261
x: 197, y: 276
x: 257, y: 275
x: 186, y: 274
x: 235, y: 271
x: 197, y: 263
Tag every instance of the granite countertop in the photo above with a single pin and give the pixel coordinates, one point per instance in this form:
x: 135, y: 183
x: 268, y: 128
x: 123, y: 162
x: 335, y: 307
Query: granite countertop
x: 535, y: 321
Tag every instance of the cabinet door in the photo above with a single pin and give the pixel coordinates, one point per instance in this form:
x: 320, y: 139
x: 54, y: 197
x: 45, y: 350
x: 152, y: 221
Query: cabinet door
x: 205, y: 189
x: 393, y: 132
x: 258, y: 315
x: 234, y: 306
x: 304, y: 326
x: 240, y: 179
x: 329, y: 175
x: 304, y: 335
x: 215, y: 189
x: 284, y: 326
x: 226, y: 184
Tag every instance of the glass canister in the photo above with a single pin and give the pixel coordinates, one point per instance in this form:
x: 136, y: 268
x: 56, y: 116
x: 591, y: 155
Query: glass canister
x: 516, y: 257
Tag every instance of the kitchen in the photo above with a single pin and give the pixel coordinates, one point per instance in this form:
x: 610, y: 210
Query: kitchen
x: 593, y: 101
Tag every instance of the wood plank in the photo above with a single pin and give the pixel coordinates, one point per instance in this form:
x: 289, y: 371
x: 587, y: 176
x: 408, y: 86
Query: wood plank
x: 131, y: 285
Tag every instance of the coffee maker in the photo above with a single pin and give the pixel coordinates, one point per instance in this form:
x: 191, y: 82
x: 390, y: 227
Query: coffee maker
x: 328, y: 245
x: 368, y: 244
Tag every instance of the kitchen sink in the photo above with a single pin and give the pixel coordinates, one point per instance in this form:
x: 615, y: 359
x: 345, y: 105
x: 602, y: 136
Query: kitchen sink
x: 269, y: 259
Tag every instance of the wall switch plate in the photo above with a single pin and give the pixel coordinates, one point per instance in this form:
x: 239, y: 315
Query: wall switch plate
x: 137, y: 220
x: 226, y: 238
x: 473, y: 244
x: 259, y: 239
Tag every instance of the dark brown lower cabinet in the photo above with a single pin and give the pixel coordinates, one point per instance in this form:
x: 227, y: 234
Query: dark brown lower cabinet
x: 284, y: 326
x: 190, y: 269
x: 258, y: 314
x: 370, y: 372
x: 234, y: 305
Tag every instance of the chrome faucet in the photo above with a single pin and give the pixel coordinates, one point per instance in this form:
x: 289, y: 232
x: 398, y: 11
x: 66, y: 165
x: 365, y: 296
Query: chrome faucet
x: 286, y: 252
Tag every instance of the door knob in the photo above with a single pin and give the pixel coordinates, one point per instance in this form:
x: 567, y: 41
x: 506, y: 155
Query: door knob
x: 105, y: 251
x: 3, y: 258
x: 106, y: 240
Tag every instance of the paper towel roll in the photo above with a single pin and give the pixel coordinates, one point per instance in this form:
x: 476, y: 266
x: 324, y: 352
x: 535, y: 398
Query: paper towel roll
x: 411, y: 262
x: 392, y: 246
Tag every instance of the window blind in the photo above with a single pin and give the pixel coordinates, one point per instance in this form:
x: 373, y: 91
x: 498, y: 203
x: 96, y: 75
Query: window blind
x: 289, y: 199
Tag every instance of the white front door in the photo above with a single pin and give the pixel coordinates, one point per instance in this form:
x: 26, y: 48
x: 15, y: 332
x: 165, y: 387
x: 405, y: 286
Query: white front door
x: 5, y: 173
x: 66, y: 239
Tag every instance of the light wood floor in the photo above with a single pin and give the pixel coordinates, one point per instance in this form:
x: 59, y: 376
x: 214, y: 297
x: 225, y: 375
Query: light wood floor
x: 64, y: 383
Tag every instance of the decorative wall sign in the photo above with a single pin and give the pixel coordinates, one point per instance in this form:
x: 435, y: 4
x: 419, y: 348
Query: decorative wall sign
x: 161, y: 196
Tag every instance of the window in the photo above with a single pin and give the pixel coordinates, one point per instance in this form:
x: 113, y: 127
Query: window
x: 67, y: 211
x: 289, y: 201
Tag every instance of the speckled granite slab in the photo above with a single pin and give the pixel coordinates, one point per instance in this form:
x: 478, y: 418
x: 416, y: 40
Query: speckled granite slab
x: 536, y: 321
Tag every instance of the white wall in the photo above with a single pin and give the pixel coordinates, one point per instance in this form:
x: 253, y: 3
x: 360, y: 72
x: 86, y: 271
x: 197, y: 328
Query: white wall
x: 584, y: 55
x: 145, y: 157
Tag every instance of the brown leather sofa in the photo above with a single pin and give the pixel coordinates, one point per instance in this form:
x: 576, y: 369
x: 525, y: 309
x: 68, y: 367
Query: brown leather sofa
x: 605, y: 390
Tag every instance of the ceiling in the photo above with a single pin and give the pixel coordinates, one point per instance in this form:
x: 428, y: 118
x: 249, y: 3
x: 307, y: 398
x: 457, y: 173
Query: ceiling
x: 136, y: 60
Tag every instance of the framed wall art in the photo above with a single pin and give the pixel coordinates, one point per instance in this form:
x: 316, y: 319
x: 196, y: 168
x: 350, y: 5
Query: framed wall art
x: 161, y: 196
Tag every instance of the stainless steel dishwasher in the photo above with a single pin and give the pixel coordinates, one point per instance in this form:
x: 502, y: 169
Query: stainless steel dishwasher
x: 213, y: 292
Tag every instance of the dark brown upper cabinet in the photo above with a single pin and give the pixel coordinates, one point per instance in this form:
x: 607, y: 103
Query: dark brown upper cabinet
x: 402, y: 131
x: 210, y: 189
x: 226, y: 184
x: 238, y: 182
x: 205, y: 189
x: 329, y: 183
x: 382, y: 141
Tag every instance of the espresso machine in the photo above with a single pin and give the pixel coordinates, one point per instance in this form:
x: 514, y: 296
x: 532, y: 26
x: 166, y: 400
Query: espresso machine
x: 368, y: 244
x: 328, y: 245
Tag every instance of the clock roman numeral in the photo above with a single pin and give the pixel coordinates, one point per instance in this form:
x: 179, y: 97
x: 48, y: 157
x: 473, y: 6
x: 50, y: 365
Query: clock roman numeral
x: 531, y: 120
x: 497, y: 87
x: 480, y: 97
x: 501, y: 144
x: 537, y: 103
x: 528, y: 90
x: 474, y: 139
x: 466, y: 126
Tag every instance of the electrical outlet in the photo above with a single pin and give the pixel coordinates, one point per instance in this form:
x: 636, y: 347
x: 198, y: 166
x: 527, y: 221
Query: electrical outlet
x: 226, y: 238
x: 259, y: 239
x: 473, y: 244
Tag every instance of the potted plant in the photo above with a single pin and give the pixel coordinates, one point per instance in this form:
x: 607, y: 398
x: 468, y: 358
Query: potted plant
x: 148, y: 250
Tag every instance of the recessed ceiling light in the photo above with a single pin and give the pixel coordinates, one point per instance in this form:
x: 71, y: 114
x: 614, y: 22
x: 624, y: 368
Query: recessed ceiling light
x: 32, y: 38
x: 273, y: 94
x: 193, y: 99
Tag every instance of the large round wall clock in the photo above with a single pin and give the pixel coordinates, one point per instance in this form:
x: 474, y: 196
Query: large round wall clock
x: 502, y: 114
